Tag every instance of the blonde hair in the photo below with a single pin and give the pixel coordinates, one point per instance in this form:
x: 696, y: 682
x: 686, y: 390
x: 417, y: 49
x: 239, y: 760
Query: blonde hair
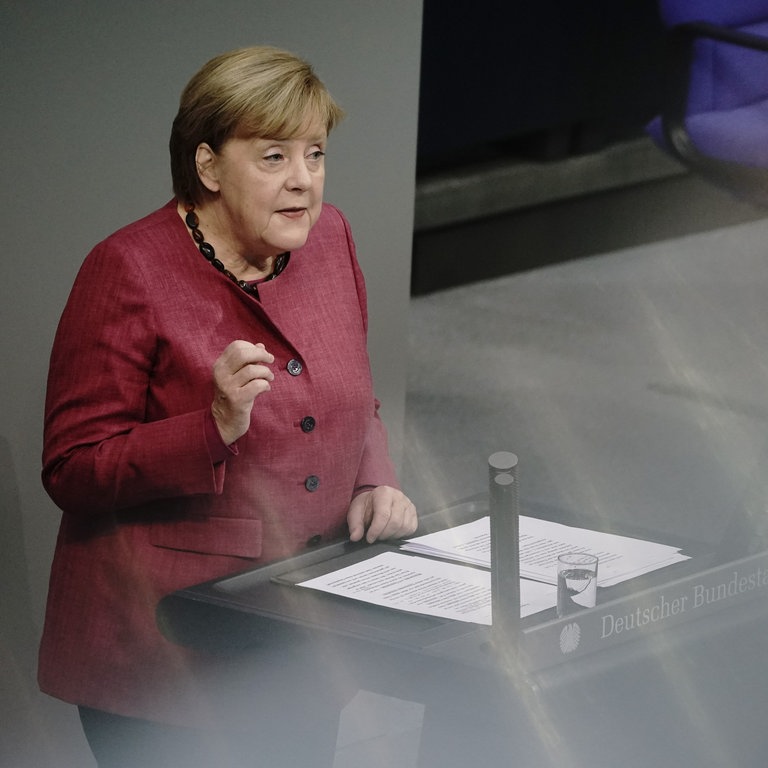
x: 257, y: 91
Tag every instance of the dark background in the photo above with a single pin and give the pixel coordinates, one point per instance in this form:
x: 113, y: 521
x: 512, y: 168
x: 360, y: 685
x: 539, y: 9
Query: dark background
x: 546, y: 84
x: 539, y: 79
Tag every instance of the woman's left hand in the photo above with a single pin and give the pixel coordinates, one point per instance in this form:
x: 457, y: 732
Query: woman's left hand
x: 381, y: 513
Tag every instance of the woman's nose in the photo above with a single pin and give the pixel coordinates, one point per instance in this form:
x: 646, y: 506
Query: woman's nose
x: 299, y: 175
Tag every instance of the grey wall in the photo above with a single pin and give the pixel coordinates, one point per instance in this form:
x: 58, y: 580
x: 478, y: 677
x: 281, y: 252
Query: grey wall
x: 88, y: 92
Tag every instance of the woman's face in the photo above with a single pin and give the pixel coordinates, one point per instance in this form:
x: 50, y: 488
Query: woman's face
x: 270, y: 191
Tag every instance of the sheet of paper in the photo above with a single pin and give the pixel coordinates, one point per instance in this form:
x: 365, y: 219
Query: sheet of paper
x: 432, y: 587
x: 468, y: 543
x: 541, y: 541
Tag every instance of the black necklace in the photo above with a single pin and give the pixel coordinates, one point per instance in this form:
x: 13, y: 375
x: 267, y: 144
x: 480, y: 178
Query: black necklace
x: 210, y: 254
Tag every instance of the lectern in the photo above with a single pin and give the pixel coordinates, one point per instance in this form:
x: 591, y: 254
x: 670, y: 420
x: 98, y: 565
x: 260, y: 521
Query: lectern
x: 507, y: 692
x: 260, y: 605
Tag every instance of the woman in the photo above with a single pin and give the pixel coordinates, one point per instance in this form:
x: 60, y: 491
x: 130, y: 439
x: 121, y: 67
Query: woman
x: 209, y: 404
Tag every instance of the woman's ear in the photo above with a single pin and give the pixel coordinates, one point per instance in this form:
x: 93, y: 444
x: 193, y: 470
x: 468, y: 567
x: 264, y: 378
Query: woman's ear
x: 205, y: 161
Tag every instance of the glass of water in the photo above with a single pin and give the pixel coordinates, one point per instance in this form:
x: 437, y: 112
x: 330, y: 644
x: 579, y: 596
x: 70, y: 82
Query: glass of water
x: 576, y: 582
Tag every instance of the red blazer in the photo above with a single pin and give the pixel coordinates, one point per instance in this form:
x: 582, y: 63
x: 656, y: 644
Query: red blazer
x: 146, y: 511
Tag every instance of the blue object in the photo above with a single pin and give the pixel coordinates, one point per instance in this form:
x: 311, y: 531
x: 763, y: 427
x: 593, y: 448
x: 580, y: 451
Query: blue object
x: 715, y: 106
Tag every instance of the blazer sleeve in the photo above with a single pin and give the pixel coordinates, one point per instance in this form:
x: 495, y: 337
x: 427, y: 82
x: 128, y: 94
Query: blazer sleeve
x: 376, y: 467
x: 100, y: 453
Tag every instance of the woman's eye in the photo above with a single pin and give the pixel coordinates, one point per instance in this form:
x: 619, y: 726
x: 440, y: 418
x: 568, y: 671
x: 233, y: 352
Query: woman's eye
x: 316, y: 155
x: 274, y: 157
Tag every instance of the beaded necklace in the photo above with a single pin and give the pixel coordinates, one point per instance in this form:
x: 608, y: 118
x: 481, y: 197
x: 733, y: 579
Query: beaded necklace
x: 207, y: 250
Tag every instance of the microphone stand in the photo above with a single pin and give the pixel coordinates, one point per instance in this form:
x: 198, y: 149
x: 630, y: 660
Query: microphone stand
x: 505, y: 551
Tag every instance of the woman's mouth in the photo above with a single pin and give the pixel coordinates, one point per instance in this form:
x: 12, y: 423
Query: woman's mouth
x: 292, y: 213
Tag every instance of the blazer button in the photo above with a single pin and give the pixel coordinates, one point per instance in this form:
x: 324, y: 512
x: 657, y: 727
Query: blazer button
x: 308, y: 424
x: 313, y: 541
x: 312, y: 483
x: 294, y: 367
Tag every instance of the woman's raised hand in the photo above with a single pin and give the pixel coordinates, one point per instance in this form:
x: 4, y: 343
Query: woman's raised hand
x: 240, y: 375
